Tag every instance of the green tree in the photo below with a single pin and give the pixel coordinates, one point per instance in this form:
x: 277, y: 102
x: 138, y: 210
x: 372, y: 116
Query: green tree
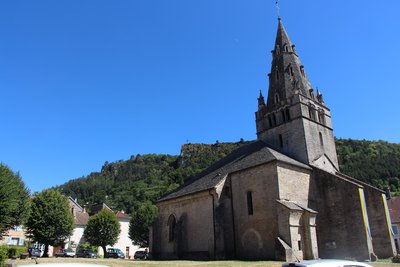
x: 102, y: 229
x: 51, y: 221
x: 14, y: 199
x: 140, y: 222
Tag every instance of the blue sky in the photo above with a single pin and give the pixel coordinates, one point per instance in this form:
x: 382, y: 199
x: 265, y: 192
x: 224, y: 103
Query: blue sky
x: 84, y: 82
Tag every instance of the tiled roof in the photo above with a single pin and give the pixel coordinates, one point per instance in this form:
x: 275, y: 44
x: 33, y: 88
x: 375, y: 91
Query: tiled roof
x: 81, y: 218
x: 394, y: 209
x: 247, y: 156
x: 122, y: 215
x: 98, y: 207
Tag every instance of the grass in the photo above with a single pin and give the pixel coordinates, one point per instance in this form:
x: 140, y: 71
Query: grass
x: 181, y: 263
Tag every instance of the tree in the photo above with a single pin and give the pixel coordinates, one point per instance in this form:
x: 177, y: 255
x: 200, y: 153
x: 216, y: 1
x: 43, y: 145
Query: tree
x: 140, y: 222
x: 102, y: 229
x: 14, y: 199
x: 51, y: 222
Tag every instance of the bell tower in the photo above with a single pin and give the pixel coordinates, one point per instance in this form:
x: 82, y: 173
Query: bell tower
x: 295, y: 120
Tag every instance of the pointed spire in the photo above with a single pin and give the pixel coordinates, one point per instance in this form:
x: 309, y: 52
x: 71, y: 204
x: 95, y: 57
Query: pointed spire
x: 287, y: 76
x: 282, y: 40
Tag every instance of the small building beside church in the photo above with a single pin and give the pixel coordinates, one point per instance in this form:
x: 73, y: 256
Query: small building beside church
x: 282, y: 196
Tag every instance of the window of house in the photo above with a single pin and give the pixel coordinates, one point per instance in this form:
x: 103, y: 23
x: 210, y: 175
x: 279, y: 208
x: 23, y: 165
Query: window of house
x: 274, y: 119
x: 171, y: 226
x: 395, y: 229
x: 270, y: 121
x: 280, y: 141
x: 250, y: 203
x: 277, y: 75
x: 291, y: 71
x: 299, y: 244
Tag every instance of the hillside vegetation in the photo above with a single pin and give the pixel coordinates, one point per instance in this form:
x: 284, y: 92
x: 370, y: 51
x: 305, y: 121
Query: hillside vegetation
x: 124, y: 185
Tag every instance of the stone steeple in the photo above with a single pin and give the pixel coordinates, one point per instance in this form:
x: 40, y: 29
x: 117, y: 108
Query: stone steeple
x: 287, y: 76
x: 294, y: 120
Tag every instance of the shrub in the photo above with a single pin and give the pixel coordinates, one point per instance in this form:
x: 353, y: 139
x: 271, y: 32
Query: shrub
x: 3, y: 254
x: 11, y: 251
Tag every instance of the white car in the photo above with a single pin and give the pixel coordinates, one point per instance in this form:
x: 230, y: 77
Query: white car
x: 327, y: 263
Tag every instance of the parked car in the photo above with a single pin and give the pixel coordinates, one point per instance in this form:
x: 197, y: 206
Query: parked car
x: 141, y: 254
x: 85, y: 253
x: 34, y: 252
x: 114, y: 253
x: 65, y: 253
x: 326, y: 263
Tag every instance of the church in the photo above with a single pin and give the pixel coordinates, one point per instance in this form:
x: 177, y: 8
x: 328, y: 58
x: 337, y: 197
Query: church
x: 282, y: 196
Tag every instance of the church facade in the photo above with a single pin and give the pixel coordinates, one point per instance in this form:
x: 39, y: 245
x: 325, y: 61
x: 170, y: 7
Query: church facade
x: 282, y: 196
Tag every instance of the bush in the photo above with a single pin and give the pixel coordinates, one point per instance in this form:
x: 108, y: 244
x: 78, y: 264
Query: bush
x: 11, y: 251
x: 3, y: 254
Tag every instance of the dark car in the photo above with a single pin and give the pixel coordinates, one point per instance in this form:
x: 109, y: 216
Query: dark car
x: 85, y: 253
x: 65, y: 253
x: 34, y: 252
x: 141, y: 255
x: 114, y: 253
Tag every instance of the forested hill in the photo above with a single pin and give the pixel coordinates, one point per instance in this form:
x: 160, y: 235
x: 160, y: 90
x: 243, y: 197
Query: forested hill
x: 126, y: 184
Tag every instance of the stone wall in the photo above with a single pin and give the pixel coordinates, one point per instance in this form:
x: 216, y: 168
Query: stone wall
x: 382, y: 238
x: 340, y: 225
x: 255, y: 233
x: 194, y: 234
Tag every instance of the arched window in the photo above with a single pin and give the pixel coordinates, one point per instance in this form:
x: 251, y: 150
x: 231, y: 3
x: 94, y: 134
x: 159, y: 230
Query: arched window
x: 250, y: 210
x: 277, y: 75
x: 291, y: 71
x: 171, y: 228
x: 274, y: 119
x: 321, y: 116
x: 285, y: 48
x: 283, y: 116
x: 321, y: 139
x: 311, y: 112
x: 276, y: 98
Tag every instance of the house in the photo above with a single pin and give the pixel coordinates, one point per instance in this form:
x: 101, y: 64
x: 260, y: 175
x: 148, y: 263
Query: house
x: 81, y: 218
x: 282, y: 196
x: 15, y: 237
x: 394, y: 209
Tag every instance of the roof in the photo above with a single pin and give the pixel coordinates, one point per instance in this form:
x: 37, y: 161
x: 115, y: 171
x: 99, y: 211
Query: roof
x: 394, y: 209
x: 75, y: 203
x: 81, y: 218
x: 98, y: 207
x: 247, y: 156
x: 295, y: 206
x: 122, y: 215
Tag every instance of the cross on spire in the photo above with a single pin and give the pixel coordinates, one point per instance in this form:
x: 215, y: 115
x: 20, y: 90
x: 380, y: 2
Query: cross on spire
x: 277, y: 9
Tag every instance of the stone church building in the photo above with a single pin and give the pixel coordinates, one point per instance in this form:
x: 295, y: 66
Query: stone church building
x: 282, y: 196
